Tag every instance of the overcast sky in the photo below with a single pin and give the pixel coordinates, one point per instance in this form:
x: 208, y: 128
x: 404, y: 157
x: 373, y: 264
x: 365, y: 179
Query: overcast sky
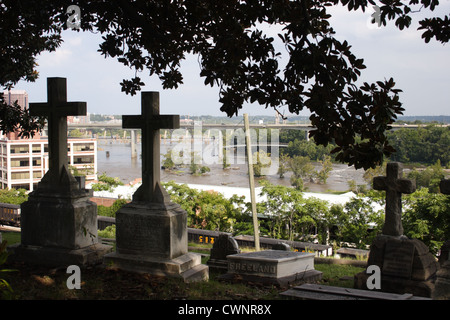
x: 421, y: 70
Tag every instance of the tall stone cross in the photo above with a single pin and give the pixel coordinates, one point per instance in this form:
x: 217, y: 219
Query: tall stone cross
x: 56, y: 110
x: 150, y: 122
x: 394, y: 185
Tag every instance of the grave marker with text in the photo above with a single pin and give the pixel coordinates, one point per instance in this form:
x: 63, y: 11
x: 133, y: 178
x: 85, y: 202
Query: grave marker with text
x: 151, y: 231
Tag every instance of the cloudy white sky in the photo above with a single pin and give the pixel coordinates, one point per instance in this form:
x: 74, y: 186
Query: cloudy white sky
x: 421, y: 70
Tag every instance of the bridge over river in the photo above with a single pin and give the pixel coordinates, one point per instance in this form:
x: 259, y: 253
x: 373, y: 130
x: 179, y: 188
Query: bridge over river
x: 200, y: 126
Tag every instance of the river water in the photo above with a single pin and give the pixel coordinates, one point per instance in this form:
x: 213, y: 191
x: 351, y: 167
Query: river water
x: 119, y: 164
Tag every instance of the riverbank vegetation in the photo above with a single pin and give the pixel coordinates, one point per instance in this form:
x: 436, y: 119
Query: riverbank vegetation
x: 287, y: 214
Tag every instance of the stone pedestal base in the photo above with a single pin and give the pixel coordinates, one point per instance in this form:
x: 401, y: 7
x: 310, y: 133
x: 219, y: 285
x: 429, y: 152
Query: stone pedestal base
x: 406, y: 266
x: 58, y: 257
x: 152, y: 238
x: 59, y: 230
x: 187, y: 266
x: 398, y: 285
x: 442, y: 285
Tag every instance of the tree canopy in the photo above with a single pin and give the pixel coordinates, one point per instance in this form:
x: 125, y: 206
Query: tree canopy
x: 234, y: 53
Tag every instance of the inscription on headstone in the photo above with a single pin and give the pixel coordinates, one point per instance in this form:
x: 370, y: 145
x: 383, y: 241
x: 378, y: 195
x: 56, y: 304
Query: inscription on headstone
x: 398, y: 259
x: 252, y: 267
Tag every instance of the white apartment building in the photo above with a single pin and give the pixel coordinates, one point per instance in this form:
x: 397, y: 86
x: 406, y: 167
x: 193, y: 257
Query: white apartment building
x: 23, y: 162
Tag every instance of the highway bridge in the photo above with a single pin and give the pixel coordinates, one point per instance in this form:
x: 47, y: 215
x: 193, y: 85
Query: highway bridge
x: 304, y: 127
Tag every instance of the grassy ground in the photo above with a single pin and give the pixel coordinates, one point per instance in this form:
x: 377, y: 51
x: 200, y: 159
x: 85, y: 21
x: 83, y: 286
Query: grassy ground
x: 109, y: 284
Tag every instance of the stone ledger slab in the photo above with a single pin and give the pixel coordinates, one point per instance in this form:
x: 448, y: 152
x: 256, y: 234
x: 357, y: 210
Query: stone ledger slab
x: 272, y: 267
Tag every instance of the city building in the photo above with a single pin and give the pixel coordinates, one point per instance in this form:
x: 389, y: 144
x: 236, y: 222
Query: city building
x: 25, y: 161
x: 21, y: 96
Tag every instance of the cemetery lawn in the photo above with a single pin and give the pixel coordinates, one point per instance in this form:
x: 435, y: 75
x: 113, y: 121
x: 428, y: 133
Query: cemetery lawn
x: 98, y: 283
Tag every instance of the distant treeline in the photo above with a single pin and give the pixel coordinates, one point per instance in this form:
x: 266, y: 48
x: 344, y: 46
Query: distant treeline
x: 425, y: 145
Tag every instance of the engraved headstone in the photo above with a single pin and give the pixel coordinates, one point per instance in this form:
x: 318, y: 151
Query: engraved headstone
x: 151, y: 231
x: 58, y: 222
x: 272, y: 267
x: 223, y: 246
x: 406, y: 264
x: 398, y: 259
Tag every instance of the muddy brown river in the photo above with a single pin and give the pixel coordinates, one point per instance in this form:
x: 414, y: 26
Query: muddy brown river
x: 119, y: 164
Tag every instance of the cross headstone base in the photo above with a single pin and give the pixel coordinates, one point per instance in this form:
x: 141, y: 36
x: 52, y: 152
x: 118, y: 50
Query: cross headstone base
x: 152, y: 238
x: 59, y: 231
x: 406, y: 266
x: 59, y: 226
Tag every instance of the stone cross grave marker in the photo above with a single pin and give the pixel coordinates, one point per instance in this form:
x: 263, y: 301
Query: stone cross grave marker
x: 58, y: 222
x: 56, y: 110
x: 150, y: 122
x: 394, y: 185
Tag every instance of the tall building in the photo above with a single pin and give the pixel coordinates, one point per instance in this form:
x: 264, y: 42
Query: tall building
x: 21, y: 96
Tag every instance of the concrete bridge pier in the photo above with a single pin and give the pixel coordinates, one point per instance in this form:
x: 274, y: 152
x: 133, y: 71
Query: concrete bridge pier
x: 133, y: 144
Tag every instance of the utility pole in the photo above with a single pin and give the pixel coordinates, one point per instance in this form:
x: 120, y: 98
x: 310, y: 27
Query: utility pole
x: 251, y: 180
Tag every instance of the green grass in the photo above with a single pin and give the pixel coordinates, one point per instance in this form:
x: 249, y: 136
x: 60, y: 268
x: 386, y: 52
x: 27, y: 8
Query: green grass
x: 332, y: 273
x: 97, y: 283
x: 11, y: 237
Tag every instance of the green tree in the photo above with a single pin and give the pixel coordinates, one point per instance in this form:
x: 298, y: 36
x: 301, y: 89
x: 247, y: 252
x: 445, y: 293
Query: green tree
x: 425, y: 145
x: 360, y: 223
x: 111, y: 211
x: 13, y: 196
x: 426, y: 218
x: 235, y: 54
x: 75, y: 133
x: 428, y: 178
x: 261, y: 160
x: 301, y: 168
x: 283, y: 166
x: 106, y: 183
x: 205, y: 209
x: 279, y: 209
x: 168, y: 162
x: 327, y: 167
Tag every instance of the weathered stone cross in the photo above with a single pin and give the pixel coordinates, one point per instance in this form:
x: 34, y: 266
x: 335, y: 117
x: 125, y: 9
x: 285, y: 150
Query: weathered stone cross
x: 150, y: 122
x: 394, y: 185
x: 57, y: 109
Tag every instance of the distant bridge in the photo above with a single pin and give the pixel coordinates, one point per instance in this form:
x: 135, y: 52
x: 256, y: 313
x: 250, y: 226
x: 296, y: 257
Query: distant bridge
x: 304, y: 127
x: 223, y: 126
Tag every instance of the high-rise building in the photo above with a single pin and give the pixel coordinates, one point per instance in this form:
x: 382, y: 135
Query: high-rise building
x: 21, y: 96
